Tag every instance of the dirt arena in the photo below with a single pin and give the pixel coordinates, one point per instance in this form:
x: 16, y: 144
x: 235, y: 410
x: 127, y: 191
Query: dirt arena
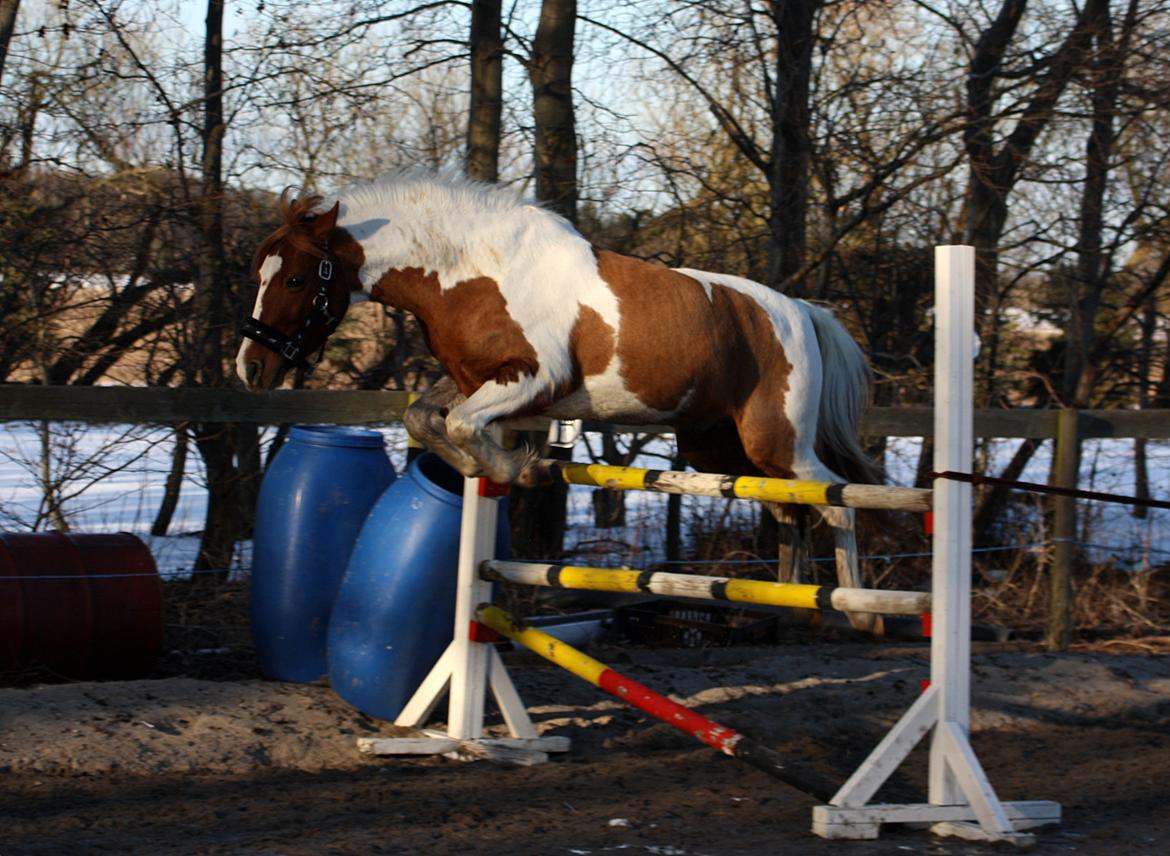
x: 194, y: 766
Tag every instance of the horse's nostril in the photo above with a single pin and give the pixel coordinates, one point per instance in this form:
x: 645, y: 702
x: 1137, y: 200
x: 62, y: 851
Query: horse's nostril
x: 252, y: 373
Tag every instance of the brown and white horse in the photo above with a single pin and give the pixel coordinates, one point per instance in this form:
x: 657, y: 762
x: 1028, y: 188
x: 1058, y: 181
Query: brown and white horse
x: 529, y: 318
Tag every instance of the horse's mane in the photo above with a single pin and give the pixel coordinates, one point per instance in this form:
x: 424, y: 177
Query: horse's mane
x: 295, y: 212
x: 438, y: 191
x: 440, y: 195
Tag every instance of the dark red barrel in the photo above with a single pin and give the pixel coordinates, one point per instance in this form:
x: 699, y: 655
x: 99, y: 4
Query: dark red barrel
x: 80, y: 605
x: 11, y: 614
x: 126, y: 596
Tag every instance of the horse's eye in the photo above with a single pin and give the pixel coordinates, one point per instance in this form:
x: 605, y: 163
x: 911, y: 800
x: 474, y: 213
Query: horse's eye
x: 294, y: 282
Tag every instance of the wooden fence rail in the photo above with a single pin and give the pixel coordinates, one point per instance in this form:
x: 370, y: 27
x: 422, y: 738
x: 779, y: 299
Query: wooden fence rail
x: 106, y: 404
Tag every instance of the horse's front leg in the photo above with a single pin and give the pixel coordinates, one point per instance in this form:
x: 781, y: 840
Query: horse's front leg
x: 426, y: 420
x: 467, y: 426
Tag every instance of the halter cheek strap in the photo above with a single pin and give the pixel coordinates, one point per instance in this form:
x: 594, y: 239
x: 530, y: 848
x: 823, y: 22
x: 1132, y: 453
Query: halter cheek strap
x: 292, y: 348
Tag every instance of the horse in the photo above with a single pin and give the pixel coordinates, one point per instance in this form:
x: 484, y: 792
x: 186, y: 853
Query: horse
x: 530, y: 319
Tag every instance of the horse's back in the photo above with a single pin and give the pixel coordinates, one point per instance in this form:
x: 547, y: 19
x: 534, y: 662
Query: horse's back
x: 688, y: 346
x: 789, y: 317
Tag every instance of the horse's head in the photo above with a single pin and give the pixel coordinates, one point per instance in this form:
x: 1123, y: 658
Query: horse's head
x: 304, y: 286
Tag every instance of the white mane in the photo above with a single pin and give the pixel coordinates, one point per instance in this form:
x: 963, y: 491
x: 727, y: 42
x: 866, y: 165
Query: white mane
x: 416, y: 187
x: 443, y: 222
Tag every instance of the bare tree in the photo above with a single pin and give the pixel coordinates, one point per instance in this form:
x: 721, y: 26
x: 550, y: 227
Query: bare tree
x: 487, y: 92
x: 538, y: 514
x: 8, y: 12
x: 994, y: 170
x: 550, y: 70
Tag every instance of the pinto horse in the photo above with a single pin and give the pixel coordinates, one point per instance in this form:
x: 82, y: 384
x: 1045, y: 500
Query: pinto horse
x: 529, y: 318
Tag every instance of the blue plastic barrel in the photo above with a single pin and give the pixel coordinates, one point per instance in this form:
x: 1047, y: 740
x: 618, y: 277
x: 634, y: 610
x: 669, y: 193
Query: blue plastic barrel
x: 395, y: 609
x: 313, y: 500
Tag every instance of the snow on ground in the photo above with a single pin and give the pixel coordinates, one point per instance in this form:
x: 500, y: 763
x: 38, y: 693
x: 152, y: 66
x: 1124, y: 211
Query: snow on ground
x: 112, y: 479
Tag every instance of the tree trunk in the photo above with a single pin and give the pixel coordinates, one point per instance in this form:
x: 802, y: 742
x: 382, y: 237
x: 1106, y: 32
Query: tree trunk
x: 550, y: 70
x: 214, y: 441
x: 674, y: 517
x: 8, y: 10
x: 995, y: 498
x: 212, y: 260
x: 609, y: 506
x: 174, y: 484
x: 1146, y: 392
x: 1088, y: 286
x: 50, y: 487
x: 249, y: 476
x: 538, y: 514
x: 487, y: 95
x: 992, y: 172
x: 222, y: 522
x: 788, y: 180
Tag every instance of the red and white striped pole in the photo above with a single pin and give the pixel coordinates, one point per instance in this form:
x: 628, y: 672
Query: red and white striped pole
x: 720, y: 737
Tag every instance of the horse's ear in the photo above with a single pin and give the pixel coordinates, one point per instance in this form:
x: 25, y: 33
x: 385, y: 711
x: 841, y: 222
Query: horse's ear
x: 323, y: 224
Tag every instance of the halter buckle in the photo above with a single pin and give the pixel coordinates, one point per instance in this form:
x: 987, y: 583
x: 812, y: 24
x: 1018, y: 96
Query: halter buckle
x: 325, y: 270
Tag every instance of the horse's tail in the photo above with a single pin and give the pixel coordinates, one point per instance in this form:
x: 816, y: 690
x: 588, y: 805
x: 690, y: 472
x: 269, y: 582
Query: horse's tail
x: 844, y: 395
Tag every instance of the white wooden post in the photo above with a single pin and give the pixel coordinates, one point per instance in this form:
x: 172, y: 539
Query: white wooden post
x: 954, y: 450
x: 961, y: 800
x: 469, y: 668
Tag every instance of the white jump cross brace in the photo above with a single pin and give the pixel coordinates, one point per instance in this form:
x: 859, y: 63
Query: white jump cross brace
x: 961, y: 800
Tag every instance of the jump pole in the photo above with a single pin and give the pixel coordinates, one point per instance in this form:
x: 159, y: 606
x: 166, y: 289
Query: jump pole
x: 723, y: 589
x: 783, y: 491
x: 718, y: 737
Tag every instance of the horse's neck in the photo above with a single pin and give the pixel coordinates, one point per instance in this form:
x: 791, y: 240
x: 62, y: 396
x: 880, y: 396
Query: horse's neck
x: 437, y: 260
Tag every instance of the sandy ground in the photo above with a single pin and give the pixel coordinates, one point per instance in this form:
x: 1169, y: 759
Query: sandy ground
x: 254, y: 767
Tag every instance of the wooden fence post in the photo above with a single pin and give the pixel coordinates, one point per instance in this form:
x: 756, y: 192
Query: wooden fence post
x: 674, y: 517
x: 1065, y: 467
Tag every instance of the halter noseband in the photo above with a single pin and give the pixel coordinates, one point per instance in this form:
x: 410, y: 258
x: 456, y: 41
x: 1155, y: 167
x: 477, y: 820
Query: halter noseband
x: 292, y: 348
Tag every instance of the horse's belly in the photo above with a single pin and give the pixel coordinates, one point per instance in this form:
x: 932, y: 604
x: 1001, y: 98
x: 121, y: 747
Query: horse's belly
x: 606, y: 398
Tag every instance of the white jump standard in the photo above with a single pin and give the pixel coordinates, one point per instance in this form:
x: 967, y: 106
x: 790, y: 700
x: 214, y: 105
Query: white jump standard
x: 960, y: 799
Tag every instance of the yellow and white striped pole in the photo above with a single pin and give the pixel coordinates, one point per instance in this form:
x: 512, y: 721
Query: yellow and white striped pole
x: 724, y: 589
x: 784, y: 491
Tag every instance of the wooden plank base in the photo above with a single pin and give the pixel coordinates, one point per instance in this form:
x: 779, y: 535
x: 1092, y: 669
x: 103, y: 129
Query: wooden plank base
x: 522, y: 751
x: 865, y: 823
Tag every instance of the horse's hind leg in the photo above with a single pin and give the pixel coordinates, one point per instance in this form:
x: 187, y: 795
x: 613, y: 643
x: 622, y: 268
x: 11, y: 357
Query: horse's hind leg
x: 843, y: 522
x: 792, y: 565
x: 775, y: 444
x: 717, y: 449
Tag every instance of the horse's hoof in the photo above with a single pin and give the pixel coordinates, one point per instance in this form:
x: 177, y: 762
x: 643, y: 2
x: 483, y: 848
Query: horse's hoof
x: 508, y: 467
x: 867, y: 622
x: 533, y: 476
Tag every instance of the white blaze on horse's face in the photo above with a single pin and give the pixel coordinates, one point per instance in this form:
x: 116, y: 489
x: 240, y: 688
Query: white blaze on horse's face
x: 268, y: 270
